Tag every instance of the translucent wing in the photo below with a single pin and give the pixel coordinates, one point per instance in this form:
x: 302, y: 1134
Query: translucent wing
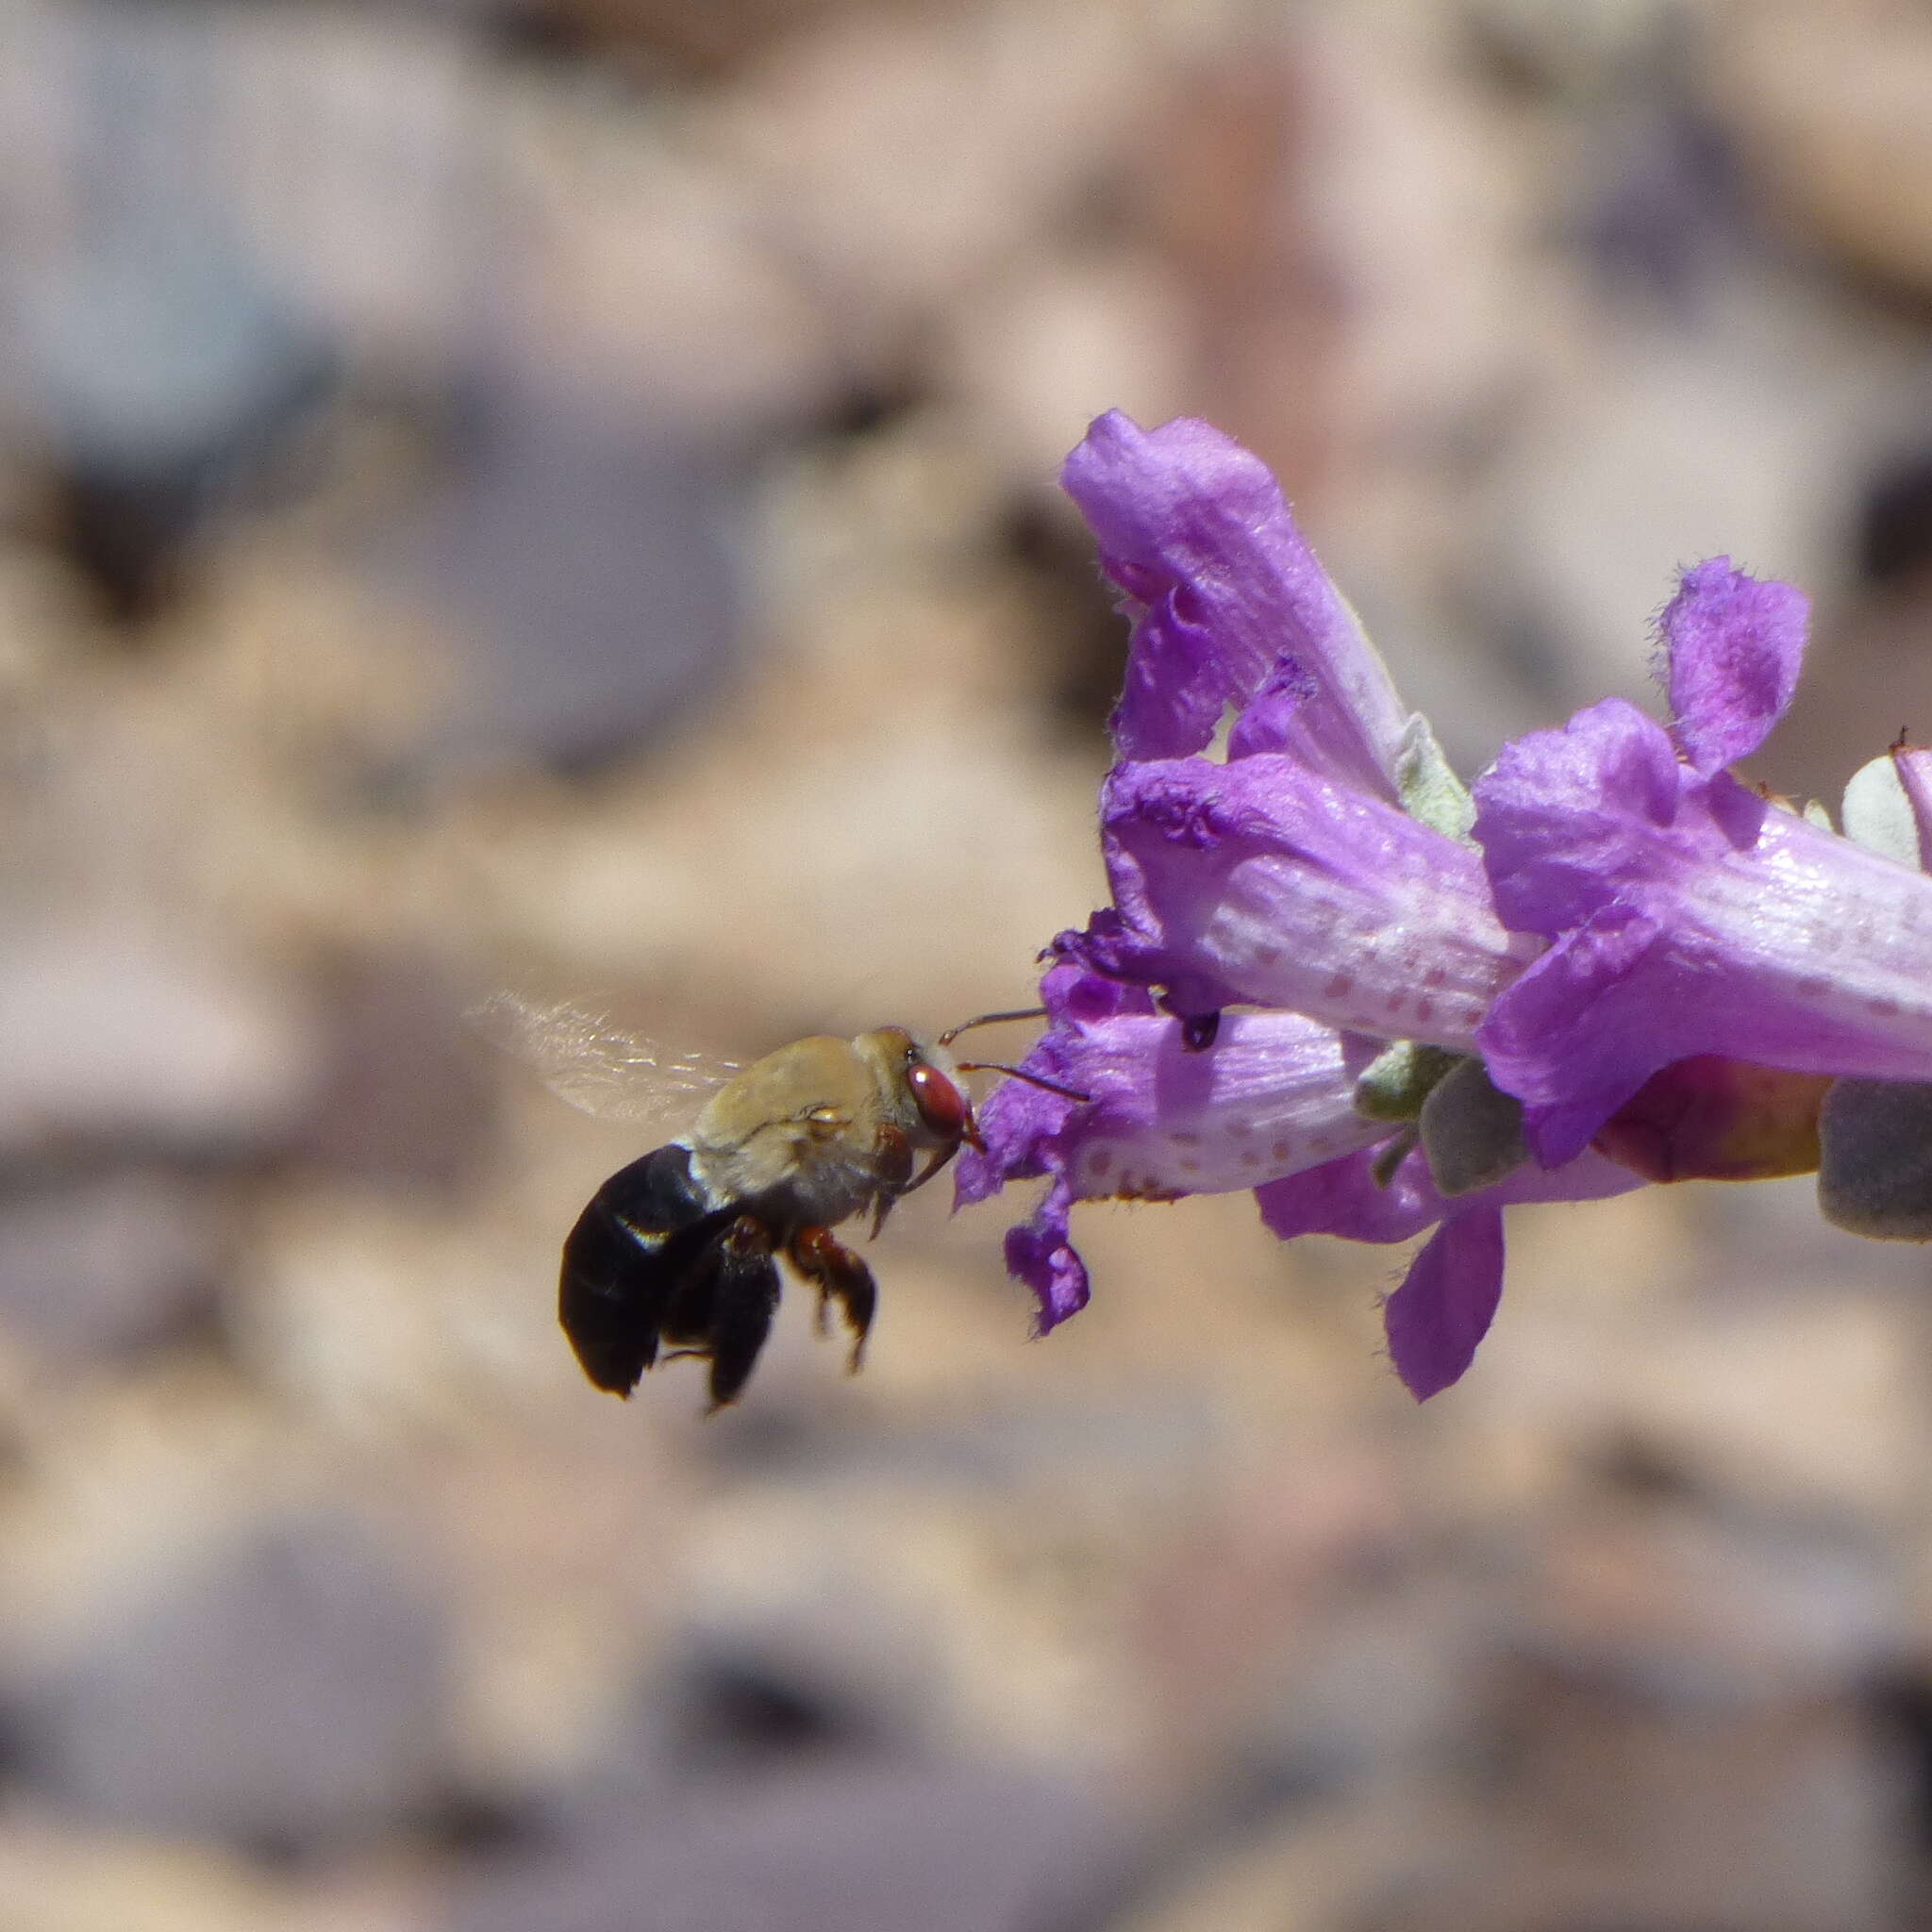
x: 597, y: 1067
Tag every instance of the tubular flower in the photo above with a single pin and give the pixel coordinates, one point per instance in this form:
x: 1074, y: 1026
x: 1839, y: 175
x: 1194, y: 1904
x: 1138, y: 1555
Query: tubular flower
x: 1221, y: 588
x: 1685, y: 914
x: 1261, y: 881
x: 1276, y: 1095
x: 1321, y: 878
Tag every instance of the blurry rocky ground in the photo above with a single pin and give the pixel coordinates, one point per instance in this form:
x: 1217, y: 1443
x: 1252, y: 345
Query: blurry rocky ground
x: 561, y: 495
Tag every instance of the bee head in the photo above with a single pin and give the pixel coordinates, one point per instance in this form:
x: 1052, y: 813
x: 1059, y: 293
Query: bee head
x: 923, y: 1080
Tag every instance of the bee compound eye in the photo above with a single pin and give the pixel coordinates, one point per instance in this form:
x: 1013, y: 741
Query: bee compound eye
x: 941, y: 1103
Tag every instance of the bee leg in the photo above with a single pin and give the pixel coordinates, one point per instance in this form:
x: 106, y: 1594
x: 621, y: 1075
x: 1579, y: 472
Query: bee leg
x: 890, y: 1197
x: 892, y: 1161
x: 692, y: 1306
x: 940, y: 1158
x: 837, y: 1275
x: 744, y: 1297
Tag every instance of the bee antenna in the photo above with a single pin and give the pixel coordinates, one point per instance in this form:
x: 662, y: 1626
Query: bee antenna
x: 1031, y: 1079
x: 952, y: 1034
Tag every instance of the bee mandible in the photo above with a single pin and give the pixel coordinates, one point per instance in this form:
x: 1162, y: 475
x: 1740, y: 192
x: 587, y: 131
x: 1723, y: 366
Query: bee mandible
x: 679, y: 1251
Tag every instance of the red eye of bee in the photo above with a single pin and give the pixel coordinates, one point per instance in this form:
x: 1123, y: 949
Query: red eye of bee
x: 941, y: 1106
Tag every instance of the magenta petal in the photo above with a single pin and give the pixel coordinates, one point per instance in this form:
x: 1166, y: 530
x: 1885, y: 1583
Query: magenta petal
x: 1342, y: 1198
x: 1018, y: 1123
x: 1268, y: 719
x: 1039, y: 1253
x: 1567, y: 819
x: 1583, y: 1029
x: 1194, y: 529
x: 1446, y: 1302
x: 1097, y: 1030
x: 1735, y: 644
x: 1690, y: 916
x: 1177, y: 681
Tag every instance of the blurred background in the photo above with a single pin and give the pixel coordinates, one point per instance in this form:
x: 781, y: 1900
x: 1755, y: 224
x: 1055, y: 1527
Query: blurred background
x: 560, y: 493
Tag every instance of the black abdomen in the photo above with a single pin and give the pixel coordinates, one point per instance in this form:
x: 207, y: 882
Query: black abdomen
x: 631, y: 1250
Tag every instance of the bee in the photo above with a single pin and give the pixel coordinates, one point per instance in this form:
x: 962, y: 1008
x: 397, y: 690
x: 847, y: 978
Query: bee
x: 679, y: 1252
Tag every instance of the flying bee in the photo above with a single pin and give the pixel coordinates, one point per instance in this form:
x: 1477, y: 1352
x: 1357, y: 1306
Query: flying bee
x: 682, y: 1247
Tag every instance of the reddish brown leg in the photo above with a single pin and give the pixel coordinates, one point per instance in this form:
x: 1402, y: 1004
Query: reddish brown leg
x: 932, y: 1167
x: 839, y: 1276
x: 891, y: 1160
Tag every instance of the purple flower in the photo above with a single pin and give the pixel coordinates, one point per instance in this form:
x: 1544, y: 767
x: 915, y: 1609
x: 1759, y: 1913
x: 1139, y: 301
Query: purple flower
x: 1329, y: 975
x: 1686, y: 914
x: 1276, y: 1095
x: 1222, y: 586
x: 1322, y: 873
x: 1261, y: 881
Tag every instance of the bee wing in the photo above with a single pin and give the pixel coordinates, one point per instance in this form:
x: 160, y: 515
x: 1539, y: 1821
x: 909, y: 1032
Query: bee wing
x: 597, y: 1067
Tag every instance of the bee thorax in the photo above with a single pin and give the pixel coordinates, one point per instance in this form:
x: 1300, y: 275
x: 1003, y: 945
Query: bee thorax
x: 802, y: 1180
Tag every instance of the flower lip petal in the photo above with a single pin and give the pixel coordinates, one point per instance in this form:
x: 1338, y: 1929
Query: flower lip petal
x: 1195, y: 529
x: 1443, y: 1308
x: 1039, y: 1253
x: 1345, y: 1200
x: 1342, y: 1198
x: 1176, y: 684
x: 1734, y: 646
x: 1566, y: 818
x: 1582, y: 1029
x: 1446, y: 1302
